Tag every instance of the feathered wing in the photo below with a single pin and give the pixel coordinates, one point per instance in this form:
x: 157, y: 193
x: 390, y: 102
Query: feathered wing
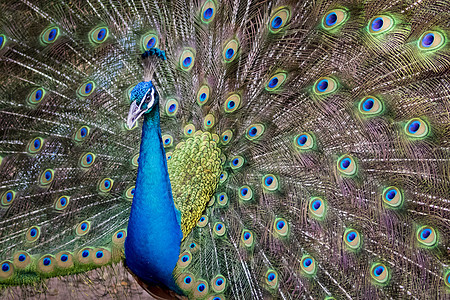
x: 307, y: 157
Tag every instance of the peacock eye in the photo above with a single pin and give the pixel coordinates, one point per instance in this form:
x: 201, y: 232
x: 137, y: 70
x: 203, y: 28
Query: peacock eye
x: 230, y: 50
x: 379, y: 273
x: 370, y: 106
x: 416, y: 128
x: 208, y: 11
x: 380, y: 24
x: 271, y: 279
x: 334, y: 18
x: 427, y: 236
x: 50, y: 35
x: 149, y: 41
x: 431, y: 40
x: 275, y: 82
x: 86, y: 89
x: 99, y: 35
x: 279, y: 19
x: 203, y: 94
x: 325, y: 85
x: 352, y: 239
x: 187, y: 60
x: 308, y: 264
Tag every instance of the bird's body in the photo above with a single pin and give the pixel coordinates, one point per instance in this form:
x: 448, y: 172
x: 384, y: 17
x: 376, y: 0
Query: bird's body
x: 289, y: 149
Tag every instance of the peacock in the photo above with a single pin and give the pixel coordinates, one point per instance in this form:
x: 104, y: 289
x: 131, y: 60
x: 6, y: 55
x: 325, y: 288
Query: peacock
x: 227, y: 149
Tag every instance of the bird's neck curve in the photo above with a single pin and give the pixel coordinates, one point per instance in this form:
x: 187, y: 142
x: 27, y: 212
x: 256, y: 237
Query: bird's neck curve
x: 154, y: 235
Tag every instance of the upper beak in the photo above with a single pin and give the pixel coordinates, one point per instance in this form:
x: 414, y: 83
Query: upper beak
x: 134, y: 114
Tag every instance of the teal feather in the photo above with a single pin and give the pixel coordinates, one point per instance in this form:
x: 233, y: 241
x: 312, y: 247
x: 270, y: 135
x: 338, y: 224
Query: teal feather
x: 306, y: 142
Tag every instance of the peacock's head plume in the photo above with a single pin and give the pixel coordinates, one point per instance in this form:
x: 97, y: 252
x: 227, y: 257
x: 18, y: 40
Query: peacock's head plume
x: 144, y: 95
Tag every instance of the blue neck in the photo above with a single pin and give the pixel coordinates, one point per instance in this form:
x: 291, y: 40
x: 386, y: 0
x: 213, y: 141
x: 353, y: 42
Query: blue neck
x: 154, y: 235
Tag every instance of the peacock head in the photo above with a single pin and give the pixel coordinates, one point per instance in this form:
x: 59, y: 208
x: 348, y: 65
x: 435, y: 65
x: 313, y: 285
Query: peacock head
x: 144, y: 98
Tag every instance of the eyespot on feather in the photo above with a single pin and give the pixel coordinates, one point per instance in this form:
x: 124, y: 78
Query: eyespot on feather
x: 105, y: 185
x: 347, y: 166
x: 427, y: 236
x: 230, y: 50
x: 64, y: 260
x: 21, y: 259
x: 202, y: 221
x: 236, y: 162
x: 317, y: 207
x: 279, y: 19
x: 219, y: 229
x: 7, y: 270
x: 254, y: 131
x: 393, y: 197
x: 189, y: 130
x: 50, y: 35
x: 119, y: 236
x: 281, y: 227
x: 148, y: 41
x: 304, y: 141
x: 184, y: 260
x: 36, y: 96
x: 3, y: 40
x: 380, y: 24
x: 379, y: 273
x: 447, y: 278
x: 218, y: 283
x: 222, y: 199
x: 186, y: 281
x: 46, y: 177
x: 46, y: 264
x: 275, y: 82
x: 232, y: 103
x: 431, y: 40
x: 324, y: 86
x: 270, y: 182
x: 87, y: 160
x: 99, y: 34
x: 8, y: 198
x: 271, y: 279
x: 209, y: 121
x: 102, y: 256
x: 86, y: 89
x: 416, y: 128
x: 35, y: 145
x: 245, y: 193
x: 208, y: 12
x: 61, y: 203
x: 135, y: 160
x: 247, y: 238
x: 308, y: 264
x: 171, y: 107
x: 226, y: 137
x: 82, y: 133
x: 200, y: 289
x: 167, y: 140
x: 203, y: 95
x: 334, y: 18
x: 352, y: 239
x: 84, y: 256
x: 370, y: 106
x: 83, y: 228
x: 33, y: 234
x: 187, y: 60
x: 223, y: 176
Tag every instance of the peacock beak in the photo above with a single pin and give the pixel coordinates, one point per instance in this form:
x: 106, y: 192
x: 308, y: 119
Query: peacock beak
x: 136, y: 111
